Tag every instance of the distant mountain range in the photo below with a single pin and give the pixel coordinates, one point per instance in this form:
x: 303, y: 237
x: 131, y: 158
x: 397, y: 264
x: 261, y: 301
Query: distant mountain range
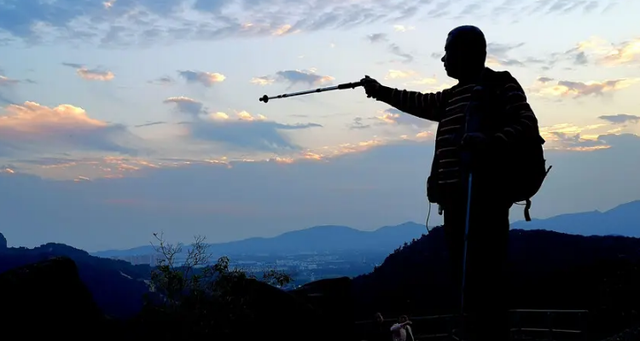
x: 326, y: 238
x: 622, y: 220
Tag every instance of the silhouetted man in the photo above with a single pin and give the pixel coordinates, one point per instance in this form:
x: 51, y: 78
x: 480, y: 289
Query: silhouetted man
x: 401, y: 331
x: 506, y: 119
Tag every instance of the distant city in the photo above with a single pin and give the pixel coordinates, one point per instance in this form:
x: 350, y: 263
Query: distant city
x: 304, y: 268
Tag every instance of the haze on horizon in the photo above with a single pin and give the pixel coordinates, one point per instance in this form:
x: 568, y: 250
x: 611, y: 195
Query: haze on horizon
x: 127, y: 117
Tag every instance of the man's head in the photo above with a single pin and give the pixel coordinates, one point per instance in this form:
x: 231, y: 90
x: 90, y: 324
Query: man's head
x: 465, y: 52
x: 403, y: 319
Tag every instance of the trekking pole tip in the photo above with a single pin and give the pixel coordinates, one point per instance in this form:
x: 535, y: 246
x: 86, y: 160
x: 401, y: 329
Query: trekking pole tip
x: 264, y: 98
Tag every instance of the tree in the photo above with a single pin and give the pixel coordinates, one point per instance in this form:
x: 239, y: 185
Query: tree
x: 202, y: 298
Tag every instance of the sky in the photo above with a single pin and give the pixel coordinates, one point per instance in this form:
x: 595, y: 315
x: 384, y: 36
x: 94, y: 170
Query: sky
x: 123, y: 118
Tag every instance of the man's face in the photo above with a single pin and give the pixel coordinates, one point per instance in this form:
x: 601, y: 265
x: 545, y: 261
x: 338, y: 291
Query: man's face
x: 379, y: 318
x: 403, y: 319
x: 451, y: 58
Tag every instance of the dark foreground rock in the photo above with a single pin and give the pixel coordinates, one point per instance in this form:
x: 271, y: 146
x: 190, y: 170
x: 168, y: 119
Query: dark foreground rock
x: 315, y: 312
x: 47, y: 298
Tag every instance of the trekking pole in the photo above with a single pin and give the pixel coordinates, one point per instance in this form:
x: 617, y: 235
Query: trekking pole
x: 343, y: 86
x: 464, y: 255
x: 471, y: 125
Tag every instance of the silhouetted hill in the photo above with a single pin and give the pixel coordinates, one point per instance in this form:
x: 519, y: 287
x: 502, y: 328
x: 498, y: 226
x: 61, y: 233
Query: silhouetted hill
x: 51, y: 295
x: 48, y: 298
x: 117, y: 286
x: 326, y: 238
x: 548, y: 270
x: 621, y: 220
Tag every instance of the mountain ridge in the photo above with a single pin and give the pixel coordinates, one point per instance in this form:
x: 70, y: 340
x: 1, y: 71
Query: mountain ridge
x: 320, y: 238
x: 625, y: 217
x: 333, y: 238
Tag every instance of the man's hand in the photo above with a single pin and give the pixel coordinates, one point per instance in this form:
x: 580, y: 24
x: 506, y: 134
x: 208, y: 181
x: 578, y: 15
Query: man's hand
x: 371, y: 86
x: 474, y: 141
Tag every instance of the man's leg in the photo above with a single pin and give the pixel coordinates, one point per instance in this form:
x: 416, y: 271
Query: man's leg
x: 486, y: 263
x: 454, y: 226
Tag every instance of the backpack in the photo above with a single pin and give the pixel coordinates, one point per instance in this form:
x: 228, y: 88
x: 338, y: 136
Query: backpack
x: 523, y: 174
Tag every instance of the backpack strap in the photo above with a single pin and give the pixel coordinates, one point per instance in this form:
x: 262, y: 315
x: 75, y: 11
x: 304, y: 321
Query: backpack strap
x: 527, y: 207
x: 527, y: 202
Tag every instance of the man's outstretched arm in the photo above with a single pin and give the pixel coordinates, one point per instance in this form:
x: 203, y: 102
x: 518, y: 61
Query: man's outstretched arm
x: 427, y: 106
x: 521, y: 118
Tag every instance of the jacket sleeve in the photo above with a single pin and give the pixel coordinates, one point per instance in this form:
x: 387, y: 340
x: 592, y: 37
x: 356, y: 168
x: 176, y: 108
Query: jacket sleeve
x: 521, y: 120
x: 427, y: 106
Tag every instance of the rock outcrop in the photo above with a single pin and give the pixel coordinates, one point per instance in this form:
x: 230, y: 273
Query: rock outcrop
x: 3, y: 242
x: 47, y: 298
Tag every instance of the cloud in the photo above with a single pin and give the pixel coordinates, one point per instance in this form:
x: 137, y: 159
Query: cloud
x: 502, y: 50
x: 359, y: 124
x: 164, y: 80
x: 108, y: 4
x: 440, y: 9
x: 377, y: 37
x: 144, y: 22
x: 127, y: 22
x: 264, y: 80
x: 563, y: 7
x: 284, y: 30
x: 544, y: 80
x: 186, y: 105
x: 95, y: 74
x: 577, y: 142
x: 621, y: 118
x: 200, y: 77
x: 294, y: 77
x: 233, y: 200
x: 399, y: 74
x: 595, y: 51
x: 149, y: 124
x: 37, y: 129
x: 396, y: 50
x: 575, y: 89
x: 402, y: 28
x: 626, y: 53
x: 394, y: 116
x: 245, y: 132
x: 571, y: 137
x: 6, y: 81
x: 8, y: 89
x: 500, y: 55
x: 415, y: 79
x: 393, y: 48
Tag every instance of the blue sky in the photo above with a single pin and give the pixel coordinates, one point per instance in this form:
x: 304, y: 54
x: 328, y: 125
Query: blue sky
x: 127, y: 117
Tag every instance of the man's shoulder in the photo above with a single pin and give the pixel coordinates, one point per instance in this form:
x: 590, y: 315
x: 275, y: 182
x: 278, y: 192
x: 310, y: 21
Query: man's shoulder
x: 502, y: 77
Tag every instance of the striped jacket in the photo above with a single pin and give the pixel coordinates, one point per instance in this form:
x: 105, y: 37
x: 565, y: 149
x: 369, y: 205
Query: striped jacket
x: 447, y: 107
